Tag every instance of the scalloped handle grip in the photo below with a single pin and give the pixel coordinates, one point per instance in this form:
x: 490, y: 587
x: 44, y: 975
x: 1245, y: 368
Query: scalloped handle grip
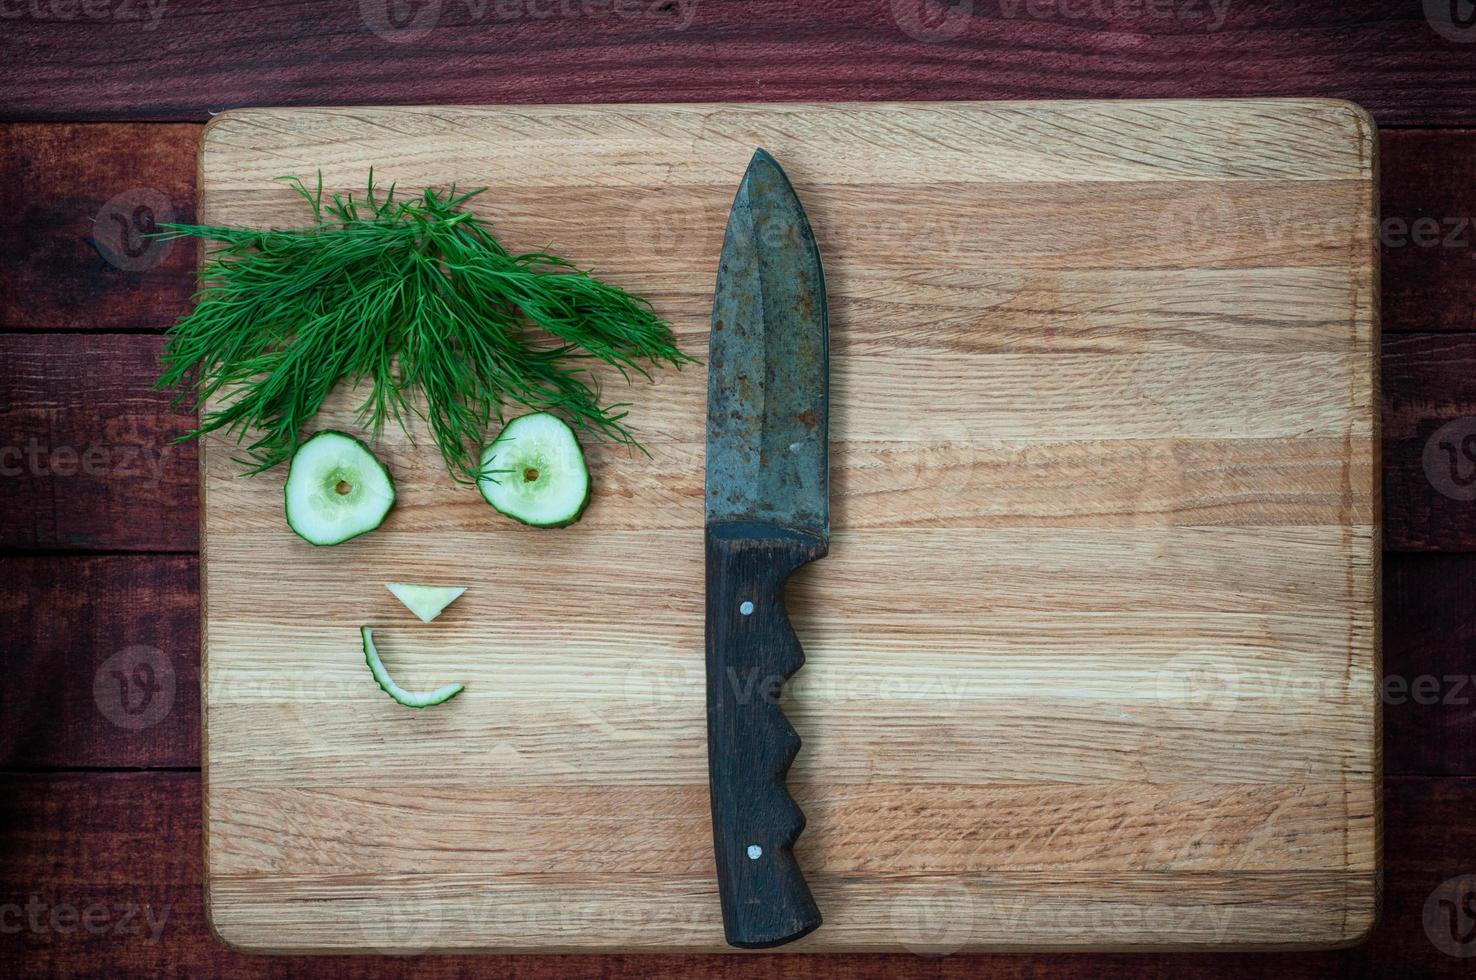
x: 751, y: 651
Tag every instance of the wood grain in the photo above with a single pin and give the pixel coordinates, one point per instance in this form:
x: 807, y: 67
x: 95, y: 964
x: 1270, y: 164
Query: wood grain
x: 137, y: 489
x: 1052, y: 486
x: 62, y: 174
x: 131, y: 843
x: 87, y: 456
x: 1427, y: 704
x: 183, y: 61
x: 102, y: 662
x: 1428, y: 231
x: 1429, y: 677
x: 79, y: 200
x: 1429, y: 394
x: 131, y: 840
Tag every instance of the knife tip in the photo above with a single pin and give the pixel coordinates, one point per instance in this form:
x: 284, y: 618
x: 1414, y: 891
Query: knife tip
x: 763, y: 166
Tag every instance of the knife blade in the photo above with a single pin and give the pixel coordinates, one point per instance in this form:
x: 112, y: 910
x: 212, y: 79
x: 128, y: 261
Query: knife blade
x: 767, y: 514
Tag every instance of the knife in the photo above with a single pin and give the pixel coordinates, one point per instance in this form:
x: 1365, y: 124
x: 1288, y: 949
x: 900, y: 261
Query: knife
x: 767, y: 514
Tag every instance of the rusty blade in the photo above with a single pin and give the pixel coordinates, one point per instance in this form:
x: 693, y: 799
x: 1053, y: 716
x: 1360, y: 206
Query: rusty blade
x: 768, y: 401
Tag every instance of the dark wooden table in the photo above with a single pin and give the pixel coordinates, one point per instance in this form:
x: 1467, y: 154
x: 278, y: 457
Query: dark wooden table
x: 104, y: 100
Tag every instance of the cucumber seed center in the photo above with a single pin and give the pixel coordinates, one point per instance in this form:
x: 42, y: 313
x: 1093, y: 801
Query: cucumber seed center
x: 344, y: 488
x: 530, y: 474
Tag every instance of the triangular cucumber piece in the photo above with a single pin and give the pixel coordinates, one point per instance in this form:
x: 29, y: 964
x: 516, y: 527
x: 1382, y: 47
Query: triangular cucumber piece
x: 425, y: 601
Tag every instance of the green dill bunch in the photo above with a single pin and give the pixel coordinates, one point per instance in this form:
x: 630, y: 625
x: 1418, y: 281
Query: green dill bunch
x: 409, y: 294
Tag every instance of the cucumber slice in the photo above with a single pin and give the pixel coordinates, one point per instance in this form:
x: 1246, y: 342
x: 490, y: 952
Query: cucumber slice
x: 534, y: 472
x: 336, y: 489
x: 410, y: 699
x: 425, y: 601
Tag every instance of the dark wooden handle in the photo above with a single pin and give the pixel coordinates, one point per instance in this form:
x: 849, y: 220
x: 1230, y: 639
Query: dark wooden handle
x: 751, y: 651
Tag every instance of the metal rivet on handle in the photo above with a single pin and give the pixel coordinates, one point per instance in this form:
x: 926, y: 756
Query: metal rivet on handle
x: 746, y: 608
x: 755, y: 852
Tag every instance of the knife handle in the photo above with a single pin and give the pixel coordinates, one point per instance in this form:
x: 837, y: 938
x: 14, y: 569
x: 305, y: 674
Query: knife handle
x: 751, y: 651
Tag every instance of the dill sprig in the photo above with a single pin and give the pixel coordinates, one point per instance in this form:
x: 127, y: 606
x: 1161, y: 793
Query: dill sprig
x: 410, y: 293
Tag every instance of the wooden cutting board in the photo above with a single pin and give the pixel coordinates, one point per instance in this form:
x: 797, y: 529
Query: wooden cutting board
x: 1092, y: 662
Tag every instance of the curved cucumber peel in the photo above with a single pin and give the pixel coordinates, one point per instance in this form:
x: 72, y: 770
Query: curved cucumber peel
x: 534, y: 472
x: 336, y: 489
x: 410, y: 699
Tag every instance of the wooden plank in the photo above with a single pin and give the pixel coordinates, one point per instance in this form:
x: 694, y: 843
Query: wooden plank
x: 207, y: 56
x: 132, y: 488
x: 1080, y: 442
x: 102, y: 662
x: 130, y: 844
x: 63, y: 174
x: 86, y: 452
x: 1429, y: 442
x: 79, y: 199
x: 57, y: 721
x: 153, y: 602
x: 989, y: 827
x: 1428, y: 230
x: 1429, y: 680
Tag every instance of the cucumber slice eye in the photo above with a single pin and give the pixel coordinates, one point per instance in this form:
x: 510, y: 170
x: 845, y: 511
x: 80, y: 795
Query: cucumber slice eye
x: 336, y: 489
x: 534, y: 472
